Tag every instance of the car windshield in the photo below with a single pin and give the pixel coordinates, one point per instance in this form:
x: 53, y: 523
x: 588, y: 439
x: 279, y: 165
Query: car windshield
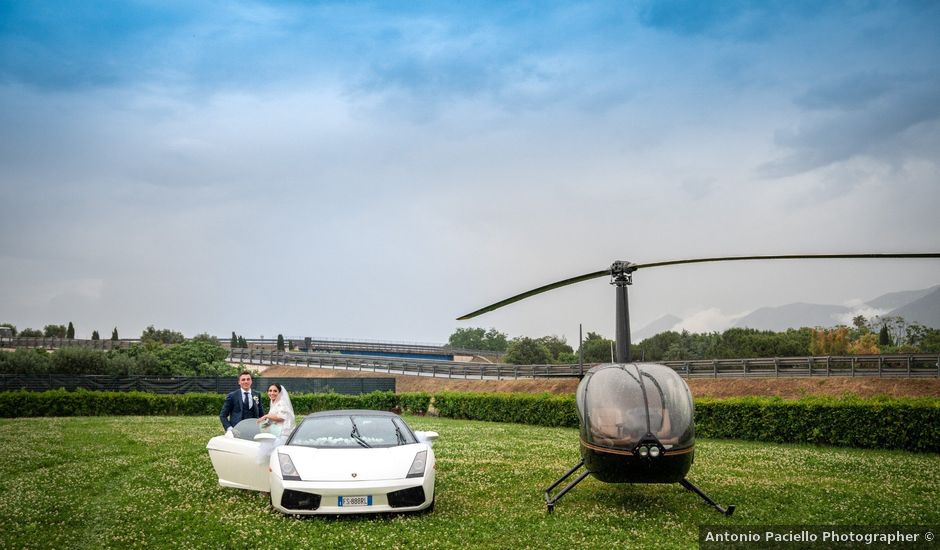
x: 352, y: 431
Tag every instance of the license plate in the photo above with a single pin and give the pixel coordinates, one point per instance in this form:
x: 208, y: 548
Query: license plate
x: 355, y: 501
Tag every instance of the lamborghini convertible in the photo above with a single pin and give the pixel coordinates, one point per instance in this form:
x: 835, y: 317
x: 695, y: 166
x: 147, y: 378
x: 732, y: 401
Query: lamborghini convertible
x: 334, y: 462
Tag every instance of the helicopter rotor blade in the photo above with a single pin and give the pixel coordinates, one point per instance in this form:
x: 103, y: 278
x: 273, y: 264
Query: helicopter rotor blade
x: 787, y: 257
x: 533, y: 292
x: 633, y: 267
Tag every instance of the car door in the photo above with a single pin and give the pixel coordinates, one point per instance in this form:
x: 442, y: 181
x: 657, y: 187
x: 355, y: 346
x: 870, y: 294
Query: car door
x: 235, y: 459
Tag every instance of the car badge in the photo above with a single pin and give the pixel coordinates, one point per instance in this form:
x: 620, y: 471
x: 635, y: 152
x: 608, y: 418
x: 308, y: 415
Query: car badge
x: 354, y: 474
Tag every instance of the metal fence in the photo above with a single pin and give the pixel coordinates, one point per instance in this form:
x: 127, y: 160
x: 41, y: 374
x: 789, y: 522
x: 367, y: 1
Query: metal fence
x: 56, y: 343
x: 324, y: 345
x: 885, y: 366
x: 190, y: 384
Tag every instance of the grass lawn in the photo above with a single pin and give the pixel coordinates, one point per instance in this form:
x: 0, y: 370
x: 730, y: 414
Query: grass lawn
x: 147, y: 481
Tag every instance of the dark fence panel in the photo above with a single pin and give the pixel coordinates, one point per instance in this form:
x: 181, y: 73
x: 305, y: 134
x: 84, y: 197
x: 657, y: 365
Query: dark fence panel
x: 189, y: 384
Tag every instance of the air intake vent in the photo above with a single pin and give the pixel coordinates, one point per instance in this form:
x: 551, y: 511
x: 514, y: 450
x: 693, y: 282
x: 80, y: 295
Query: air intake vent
x: 406, y: 497
x: 298, y: 500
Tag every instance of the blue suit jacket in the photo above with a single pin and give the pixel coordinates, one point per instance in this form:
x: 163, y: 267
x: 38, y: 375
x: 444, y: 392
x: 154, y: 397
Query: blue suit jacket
x: 233, y: 410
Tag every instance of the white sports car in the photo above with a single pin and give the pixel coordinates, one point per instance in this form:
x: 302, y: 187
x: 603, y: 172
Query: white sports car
x: 334, y: 462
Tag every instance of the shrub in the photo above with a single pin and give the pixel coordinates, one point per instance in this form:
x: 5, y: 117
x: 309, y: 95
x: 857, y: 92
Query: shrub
x: 103, y: 403
x: 99, y: 403
x: 79, y: 361
x: 895, y: 423
x: 25, y: 361
x: 891, y: 423
x: 540, y: 409
x: 414, y: 402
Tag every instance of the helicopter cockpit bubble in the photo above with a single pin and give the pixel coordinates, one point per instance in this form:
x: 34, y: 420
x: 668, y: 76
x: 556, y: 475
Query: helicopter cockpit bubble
x: 631, y: 412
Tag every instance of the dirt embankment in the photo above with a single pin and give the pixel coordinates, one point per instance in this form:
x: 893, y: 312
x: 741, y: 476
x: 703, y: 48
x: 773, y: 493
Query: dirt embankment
x: 789, y: 388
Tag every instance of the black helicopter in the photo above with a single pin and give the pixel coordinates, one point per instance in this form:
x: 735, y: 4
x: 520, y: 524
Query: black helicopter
x: 637, y: 418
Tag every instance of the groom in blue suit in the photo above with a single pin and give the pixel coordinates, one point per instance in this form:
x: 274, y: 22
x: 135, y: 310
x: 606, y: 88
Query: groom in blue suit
x: 241, y: 404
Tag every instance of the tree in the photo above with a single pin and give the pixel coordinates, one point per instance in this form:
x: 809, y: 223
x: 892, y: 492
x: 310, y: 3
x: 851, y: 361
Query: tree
x: 30, y: 333
x: 867, y: 344
x: 94, y: 335
x: 233, y: 343
x: 206, y: 337
x: 557, y: 347
x: 596, y: 348
x: 861, y: 324
x: 478, y: 339
x: 834, y: 341
x: 280, y: 342
x: 526, y: 351
x: 163, y: 336
x: 883, y: 338
x: 70, y: 332
x: 241, y: 342
x: 54, y: 331
x: 114, y: 334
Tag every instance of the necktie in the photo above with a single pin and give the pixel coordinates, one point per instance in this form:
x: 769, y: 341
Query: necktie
x: 245, y: 401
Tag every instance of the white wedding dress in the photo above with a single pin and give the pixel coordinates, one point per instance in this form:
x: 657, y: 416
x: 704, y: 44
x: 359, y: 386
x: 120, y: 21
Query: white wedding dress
x: 281, y: 408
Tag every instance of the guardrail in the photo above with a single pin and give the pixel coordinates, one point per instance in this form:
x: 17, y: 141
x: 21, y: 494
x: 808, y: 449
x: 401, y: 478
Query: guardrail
x: 56, y: 343
x: 884, y: 366
x: 187, y: 384
x: 325, y: 345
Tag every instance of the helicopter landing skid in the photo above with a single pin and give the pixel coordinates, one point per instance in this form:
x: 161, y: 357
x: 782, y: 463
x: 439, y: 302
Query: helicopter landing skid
x: 688, y: 485
x: 551, y: 500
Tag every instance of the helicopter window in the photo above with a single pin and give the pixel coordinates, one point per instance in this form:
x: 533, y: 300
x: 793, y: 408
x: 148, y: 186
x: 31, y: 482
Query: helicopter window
x: 614, y: 411
x: 672, y: 419
x: 615, y: 414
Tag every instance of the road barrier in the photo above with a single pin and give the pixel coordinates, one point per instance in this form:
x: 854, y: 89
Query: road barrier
x: 883, y: 366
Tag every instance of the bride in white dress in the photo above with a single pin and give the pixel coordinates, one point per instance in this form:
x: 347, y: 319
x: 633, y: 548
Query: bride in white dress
x: 279, y: 421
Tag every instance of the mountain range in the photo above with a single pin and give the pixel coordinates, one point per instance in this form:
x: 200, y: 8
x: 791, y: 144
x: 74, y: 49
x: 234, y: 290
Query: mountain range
x: 921, y: 306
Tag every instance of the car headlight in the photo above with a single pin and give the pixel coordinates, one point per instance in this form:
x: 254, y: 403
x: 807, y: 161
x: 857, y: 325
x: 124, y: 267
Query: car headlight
x: 418, y: 464
x: 287, y: 467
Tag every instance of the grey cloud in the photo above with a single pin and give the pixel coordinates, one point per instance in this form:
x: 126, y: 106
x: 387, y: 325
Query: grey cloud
x: 848, y: 133
x: 851, y: 92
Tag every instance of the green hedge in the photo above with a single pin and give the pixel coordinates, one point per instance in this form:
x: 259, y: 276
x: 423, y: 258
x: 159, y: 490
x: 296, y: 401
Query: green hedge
x: 102, y: 403
x: 911, y: 424
x: 895, y: 423
x: 543, y: 409
x: 908, y: 423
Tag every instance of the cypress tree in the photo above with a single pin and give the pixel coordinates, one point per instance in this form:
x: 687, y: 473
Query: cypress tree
x: 280, y: 342
x: 234, y: 341
x: 94, y: 335
x: 884, y: 339
x: 70, y: 332
x: 114, y: 335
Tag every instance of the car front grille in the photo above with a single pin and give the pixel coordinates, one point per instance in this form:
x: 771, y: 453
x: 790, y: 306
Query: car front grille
x: 299, y: 500
x: 413, y: 496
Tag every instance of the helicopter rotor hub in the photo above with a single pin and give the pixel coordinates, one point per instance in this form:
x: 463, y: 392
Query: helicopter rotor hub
x: 621, y: 273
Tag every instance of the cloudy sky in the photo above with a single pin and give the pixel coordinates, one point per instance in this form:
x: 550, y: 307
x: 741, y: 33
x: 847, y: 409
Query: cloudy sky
x: 374, y: 170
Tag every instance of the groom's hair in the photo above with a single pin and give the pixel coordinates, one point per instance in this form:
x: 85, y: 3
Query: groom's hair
x: 244, y: 372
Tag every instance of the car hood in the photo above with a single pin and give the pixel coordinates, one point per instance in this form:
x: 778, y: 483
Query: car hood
x: 360, y: 464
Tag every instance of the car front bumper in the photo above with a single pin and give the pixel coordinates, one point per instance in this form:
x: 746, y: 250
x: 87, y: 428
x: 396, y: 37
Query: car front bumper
x: 397, y: 495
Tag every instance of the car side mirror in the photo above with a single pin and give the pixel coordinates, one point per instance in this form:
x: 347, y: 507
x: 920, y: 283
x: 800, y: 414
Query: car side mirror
x: 426, y: 437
